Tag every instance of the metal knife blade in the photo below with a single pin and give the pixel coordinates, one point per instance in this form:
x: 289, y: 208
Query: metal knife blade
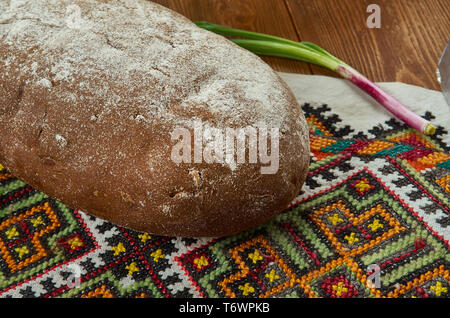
x: 444, y: 72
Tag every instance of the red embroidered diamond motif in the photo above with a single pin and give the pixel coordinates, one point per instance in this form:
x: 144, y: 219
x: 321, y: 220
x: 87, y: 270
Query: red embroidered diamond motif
x: 338, y: 287
x: 362, y: 186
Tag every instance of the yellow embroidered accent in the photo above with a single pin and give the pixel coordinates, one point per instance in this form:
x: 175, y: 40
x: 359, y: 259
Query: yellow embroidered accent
x: 119, y: 248
x: 22, y: 251
x: 356, y: 221
x: 246, y: 289
x: 363, y: 185
x: 132, y: 268
x: 335, y: 219
x: 255, y: 256
x: 37, y: 221
x: 438, y: 289
x: 272, y: 276
x: 411, y: 285
x: 306, y: 281
x: 237, y: 253
x: 340, y: 288
x: 39, y: 250
x: 157, y: 255
x: 1, y: 167
x: 375, y: 225
x: 144, y: 237
x: 201, y: 261
x: 12, y: 232
x: 351, y: 239
x: 75, y: 242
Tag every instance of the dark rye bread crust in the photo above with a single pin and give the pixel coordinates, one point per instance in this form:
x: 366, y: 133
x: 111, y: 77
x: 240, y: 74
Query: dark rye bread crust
x: 86, y: 115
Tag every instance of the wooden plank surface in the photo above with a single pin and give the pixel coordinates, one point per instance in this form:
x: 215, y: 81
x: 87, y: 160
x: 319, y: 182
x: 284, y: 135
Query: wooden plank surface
x: 406, y: 48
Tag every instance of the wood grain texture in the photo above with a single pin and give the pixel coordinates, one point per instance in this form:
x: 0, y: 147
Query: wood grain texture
x: 406, y: 48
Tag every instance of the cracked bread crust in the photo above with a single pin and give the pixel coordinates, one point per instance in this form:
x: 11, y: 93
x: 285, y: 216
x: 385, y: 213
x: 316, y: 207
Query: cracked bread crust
x: 87, y: 114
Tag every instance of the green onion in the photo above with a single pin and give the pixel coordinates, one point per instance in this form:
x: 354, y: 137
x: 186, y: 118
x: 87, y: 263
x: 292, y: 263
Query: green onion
x: 263, y: 44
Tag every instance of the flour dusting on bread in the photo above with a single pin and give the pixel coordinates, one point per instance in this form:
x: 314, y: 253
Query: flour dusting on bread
x: 90, y: 91
x: 113, y: 43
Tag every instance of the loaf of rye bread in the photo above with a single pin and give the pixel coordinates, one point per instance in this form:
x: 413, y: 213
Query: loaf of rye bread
x: 90, y: 92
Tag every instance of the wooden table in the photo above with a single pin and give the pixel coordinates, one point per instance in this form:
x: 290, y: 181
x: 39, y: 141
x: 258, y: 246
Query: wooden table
x: 406, y: 48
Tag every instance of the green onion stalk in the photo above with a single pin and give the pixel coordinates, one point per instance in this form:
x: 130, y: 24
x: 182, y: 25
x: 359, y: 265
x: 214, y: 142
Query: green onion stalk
x: 264, y: 44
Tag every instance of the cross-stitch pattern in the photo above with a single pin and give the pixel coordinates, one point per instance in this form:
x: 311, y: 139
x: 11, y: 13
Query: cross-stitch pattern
x: 372, y: 220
